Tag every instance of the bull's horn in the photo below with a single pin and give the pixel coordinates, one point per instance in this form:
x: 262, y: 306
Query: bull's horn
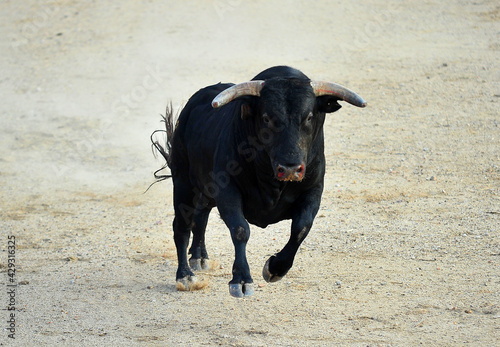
x: 231, y: 93
x: 329, y: 88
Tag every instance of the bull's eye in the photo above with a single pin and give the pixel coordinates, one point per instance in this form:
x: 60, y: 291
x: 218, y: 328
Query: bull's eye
x: 266, y: 119
x: 310, y: 117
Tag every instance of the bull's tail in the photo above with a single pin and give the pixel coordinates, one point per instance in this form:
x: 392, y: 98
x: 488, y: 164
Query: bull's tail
x: 165, y: 148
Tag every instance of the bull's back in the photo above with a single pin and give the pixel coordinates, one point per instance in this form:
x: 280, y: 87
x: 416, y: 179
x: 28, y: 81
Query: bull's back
x: 197, y: 134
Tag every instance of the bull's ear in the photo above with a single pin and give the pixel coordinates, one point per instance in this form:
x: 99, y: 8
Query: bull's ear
x: 246, y: 111
x: 327, y: 103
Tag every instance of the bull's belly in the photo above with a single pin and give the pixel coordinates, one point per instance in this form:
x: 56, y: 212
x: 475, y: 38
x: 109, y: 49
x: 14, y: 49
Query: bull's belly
x: 263, y: 218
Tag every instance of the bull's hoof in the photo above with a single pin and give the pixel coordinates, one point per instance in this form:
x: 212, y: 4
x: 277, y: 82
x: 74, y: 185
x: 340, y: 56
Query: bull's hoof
x: 268, y: 276
x: 198, y: 264
x: 185, y: 283
x: 240, y: 290
x: 190, y: 283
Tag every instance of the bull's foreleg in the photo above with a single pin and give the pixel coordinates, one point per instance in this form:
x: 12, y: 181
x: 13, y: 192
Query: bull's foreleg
x: 231, y: 213
x: 242, y: 283
x: 278, y: 265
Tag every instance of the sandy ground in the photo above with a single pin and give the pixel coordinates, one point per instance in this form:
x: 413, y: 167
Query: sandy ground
x: 405, y: 250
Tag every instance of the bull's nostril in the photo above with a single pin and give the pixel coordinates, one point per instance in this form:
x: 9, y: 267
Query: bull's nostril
x: 281, y: 169
x: 299, y: 170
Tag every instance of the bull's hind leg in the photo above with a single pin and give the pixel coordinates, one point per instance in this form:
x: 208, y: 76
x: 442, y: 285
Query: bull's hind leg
x: 198, y: 250
x: 184, y: 196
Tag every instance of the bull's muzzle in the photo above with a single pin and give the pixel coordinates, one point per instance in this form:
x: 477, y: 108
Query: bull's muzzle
x: 290, y: 173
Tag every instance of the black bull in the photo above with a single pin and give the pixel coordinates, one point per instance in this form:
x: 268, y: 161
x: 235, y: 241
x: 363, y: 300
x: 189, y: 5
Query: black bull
x: 256, y: 151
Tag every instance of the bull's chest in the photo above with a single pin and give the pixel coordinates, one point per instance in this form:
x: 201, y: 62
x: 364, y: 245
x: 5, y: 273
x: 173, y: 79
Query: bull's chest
x: 269, y: 207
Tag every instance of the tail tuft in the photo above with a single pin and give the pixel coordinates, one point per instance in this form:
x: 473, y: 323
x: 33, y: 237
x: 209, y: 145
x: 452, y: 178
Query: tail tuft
x: 165, y: 148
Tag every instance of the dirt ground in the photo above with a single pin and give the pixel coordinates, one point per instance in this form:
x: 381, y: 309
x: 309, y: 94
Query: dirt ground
x: 405, y: 250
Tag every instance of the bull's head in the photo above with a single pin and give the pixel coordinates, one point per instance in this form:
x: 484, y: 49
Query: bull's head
x: 289, y: 114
